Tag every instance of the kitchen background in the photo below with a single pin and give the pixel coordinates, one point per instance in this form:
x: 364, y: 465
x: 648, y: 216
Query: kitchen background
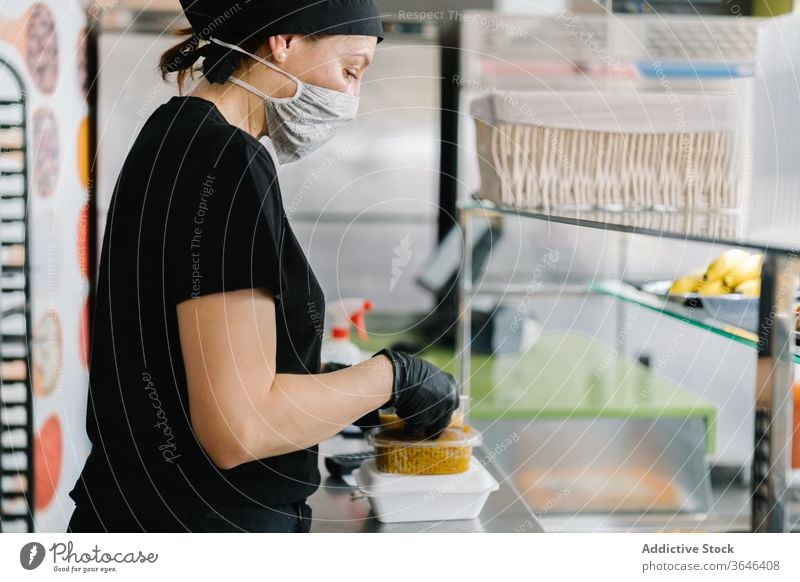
x: 366, y: 207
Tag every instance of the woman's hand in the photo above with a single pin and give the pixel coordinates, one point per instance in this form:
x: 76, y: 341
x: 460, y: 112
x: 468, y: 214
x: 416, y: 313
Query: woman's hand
x: 422, y: 394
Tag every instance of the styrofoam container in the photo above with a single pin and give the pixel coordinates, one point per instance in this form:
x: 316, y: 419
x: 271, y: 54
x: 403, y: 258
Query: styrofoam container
x: 402, y: 498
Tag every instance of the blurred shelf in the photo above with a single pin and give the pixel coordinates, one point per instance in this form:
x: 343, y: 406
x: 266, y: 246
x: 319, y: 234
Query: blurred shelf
x: 694, y: 316
x: 717, y: 227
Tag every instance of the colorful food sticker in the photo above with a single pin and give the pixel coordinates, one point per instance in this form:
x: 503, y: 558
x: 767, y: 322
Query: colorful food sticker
x: 47, y: 460
x: 45, y: 152
x: 41, y: 54
x: 47, y: 354
x: 84, y: 334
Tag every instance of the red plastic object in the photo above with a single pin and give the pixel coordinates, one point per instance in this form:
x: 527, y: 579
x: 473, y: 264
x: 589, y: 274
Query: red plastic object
x: 796, y: 428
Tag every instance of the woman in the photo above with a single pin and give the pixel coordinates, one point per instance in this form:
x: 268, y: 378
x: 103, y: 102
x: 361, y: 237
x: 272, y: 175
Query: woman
x: 207, y: 395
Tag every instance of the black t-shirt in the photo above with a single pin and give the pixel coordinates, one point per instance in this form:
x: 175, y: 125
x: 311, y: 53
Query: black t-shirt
x: 196, y: 210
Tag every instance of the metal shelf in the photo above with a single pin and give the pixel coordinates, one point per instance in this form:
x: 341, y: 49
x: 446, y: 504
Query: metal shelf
x: 717, y: 227
x: 774, y: 341
x: 692, y: 316
x: 522, y: 289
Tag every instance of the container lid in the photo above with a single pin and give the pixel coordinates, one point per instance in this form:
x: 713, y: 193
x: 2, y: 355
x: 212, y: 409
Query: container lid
x: 374, y: 483
x: 451, y: 437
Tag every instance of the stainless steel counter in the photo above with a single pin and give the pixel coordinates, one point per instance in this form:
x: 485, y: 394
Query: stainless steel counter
x: 338, y: 508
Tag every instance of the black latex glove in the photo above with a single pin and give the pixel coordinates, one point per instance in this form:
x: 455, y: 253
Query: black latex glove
x: 422, y: 394
x: 370, y: 419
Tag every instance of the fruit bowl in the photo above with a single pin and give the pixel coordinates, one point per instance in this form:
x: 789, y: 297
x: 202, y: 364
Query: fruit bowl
x: 661, y: 289
x: 735, y: 309
x: 728, y: 289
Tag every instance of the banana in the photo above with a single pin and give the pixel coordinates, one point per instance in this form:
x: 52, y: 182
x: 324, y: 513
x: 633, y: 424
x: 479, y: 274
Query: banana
x: 750, y: 288
x: 687, y: 284
x: 749, y: 268
x: 715, y: 287
x: 725, y: 263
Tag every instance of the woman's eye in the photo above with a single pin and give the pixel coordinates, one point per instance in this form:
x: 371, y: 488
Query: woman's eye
x: 351, y: 74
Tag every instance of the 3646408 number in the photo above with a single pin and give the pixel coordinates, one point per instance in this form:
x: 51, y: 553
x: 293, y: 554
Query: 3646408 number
x: 755, y: 565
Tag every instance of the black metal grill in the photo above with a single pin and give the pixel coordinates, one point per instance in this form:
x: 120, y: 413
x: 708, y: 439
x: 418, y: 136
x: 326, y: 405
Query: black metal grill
x: 16, y: 391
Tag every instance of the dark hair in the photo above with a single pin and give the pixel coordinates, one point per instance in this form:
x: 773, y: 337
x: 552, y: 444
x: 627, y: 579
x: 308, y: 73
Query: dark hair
x: 181, y: 59
x: 178, y: 58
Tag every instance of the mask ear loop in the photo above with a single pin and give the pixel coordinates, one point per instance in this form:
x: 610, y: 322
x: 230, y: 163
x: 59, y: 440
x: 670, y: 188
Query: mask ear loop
x: 265, y: 62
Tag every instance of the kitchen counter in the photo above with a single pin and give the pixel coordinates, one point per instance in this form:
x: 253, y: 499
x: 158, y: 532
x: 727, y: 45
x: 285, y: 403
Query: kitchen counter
x: 521, y: 401
x: 338, y: 507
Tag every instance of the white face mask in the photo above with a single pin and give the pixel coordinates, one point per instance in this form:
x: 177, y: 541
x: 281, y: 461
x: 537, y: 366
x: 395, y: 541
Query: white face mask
x: 300, y: 124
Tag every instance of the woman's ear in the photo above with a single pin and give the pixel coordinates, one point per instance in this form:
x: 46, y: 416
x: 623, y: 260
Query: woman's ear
x: 279, y: 46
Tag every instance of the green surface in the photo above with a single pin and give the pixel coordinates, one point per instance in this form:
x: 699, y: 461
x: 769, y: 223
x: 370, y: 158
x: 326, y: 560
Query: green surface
x: 768, y: 8
x: 568, y: 375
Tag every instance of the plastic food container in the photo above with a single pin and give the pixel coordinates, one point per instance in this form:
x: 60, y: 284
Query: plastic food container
x: 403, y: 498
x: 396, y: 452
x: 389, y: 419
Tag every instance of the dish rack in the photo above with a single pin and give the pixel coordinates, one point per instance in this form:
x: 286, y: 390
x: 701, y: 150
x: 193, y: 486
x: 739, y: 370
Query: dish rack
x: 611, y: 150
